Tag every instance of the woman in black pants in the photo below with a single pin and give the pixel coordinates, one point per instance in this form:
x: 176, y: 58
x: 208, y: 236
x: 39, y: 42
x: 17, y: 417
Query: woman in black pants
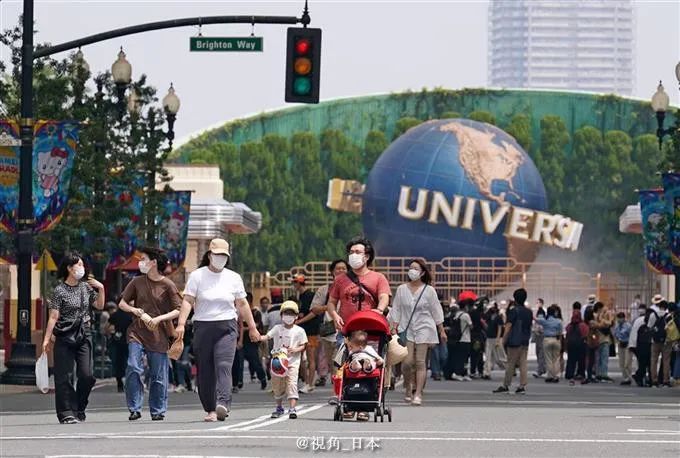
x: 577, y: 332
x: 215, y: 292
x: 589, y: 319
x: 70, y: 324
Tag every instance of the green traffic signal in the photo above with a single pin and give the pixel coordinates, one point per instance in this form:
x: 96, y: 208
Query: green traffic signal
x: 302, y: 85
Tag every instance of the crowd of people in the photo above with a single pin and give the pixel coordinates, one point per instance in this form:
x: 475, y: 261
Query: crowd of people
x: 161, y: 340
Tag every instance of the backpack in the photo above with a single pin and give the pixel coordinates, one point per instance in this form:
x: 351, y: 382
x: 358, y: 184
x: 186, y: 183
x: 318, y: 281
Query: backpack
x: 455, y: 330
x: 672, y: 331
x: 574, y: 336
x: 659, y: 329
x: 644, y: 334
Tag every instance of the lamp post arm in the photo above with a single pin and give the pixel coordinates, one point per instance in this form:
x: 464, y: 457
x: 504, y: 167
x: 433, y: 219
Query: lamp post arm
x: 160, y: 25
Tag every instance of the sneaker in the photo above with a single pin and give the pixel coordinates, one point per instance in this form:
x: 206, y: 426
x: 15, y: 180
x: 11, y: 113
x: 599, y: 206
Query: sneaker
x: 278, y: 412
x: 158, y: 417
x: 180, y: 389
x: 263, y: 384
x: 234, y: 389
x: 520, y: 390
x: 457, y: 378
x: 320, y: 382
x: 625, y: 382
x: 572, y: 382
x: 222, y: 412
x: 668, y: 385
x: 467, y: 379
x: 135, y: 416
x: 292, y: 413
x: 486, y: 377
x: 306, y: 389
x: 333, y: 401
x: 417, y: 400
x: 81, y: 416
x: 537, y: 375
x: 548, y: 380
x: 501, y: 389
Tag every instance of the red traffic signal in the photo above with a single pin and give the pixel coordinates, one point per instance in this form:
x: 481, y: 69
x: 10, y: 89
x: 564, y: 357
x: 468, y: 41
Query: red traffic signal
x: 303, y: 58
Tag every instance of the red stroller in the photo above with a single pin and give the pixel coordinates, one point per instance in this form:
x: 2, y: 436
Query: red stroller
x: 361, y: 391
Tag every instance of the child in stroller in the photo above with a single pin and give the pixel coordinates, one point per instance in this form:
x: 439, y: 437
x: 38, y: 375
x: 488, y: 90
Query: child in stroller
x: 362, y: 386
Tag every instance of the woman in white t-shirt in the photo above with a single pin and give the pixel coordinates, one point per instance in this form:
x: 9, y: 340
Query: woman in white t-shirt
x: 417, y: 313
x: 214, y: 292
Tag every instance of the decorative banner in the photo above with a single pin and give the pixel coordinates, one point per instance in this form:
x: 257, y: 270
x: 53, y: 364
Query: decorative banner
x: 671, y: 188
x: 129, y: 201
x: 10, y: 150
x: 655, y: 231
x: 174, y: 223
x: 54, y: 151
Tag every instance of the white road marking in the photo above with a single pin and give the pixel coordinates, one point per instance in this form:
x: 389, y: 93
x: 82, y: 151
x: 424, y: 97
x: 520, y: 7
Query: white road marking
x: 281, y: 419
x: 656, y: 431
x: 382, y: 438
x: 140, y: 456
x: 243, y: 423
x: 623, y: 417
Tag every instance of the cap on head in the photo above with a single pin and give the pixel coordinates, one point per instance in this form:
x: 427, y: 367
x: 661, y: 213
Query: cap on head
x: 290, y: 306
x: 299, y: 278
x: 657, y: 298
x: 520, y: 296
x: 219, y: 246
x: 467, y: 296
x: 591, y: 298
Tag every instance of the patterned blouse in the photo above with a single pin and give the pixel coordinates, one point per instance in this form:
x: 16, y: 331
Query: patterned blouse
x: 68, y: 301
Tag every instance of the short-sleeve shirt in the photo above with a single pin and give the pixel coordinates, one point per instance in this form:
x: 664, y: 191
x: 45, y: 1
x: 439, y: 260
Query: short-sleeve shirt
x: 68, y: 301
x: 321, y: 299
x: 521, y: 319
x: 428, y: 313
x: 155, y: 298
x: 288, y: 337
x: 348, y: 293
x: 215, y: 293
x: 311, y: 327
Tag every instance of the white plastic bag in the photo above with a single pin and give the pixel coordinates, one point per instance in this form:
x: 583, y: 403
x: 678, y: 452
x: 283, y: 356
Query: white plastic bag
x: 42, y: 376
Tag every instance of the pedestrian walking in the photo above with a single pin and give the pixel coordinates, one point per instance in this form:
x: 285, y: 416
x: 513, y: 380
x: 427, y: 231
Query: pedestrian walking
x: 477, y: 337
x: 577, y: 333
x: 457, y: 328
x: 640, y: 343
x: 251, y: 348
x: 69, y: 330
x: 327, y: 332
x: 215, y: 292
x: 604, y: 317
x: 660, y: 347
x: 537, y: 338
x: 495, y: 353
x: 117, y: 327
x: 359, y: 289
x: 309, y: 322
x: 516, y: 337
x: 592, y: 343
x: 289, y: 342
x: 155, y: 301
x: 417, y: 305
x: 552, y: 342
x: 622, y: 334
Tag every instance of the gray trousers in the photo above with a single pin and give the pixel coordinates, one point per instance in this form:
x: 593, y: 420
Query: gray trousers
x: 214, y: 347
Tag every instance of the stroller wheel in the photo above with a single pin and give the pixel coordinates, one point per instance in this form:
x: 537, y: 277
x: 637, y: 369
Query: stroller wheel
x: 382, y: 418
x: 389, y: 414
x: 338, y: 413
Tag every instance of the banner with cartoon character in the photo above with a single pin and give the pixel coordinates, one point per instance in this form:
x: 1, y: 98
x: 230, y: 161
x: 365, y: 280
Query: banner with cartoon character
x: 671, y: 190
x: 129, y: 200
x: 10, y: 146
x: 54, y: 151
x: 655, y: 230
x: 174, y: 223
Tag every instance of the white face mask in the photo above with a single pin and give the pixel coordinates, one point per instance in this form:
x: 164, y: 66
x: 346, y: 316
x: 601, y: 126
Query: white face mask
x: 144, y: 267
x: 78, y: 272
x: 414, y: 274
x: 356, y: 260
x: 288, y: 319
x: 218, y: 261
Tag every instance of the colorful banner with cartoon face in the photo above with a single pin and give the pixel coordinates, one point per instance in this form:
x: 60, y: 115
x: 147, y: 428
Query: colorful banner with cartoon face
x: 671, y: 190
x: 54, y: 152
x: 129, y: 200
x: 655, y: 230
x: 10, y: 142
x: 174, y: 224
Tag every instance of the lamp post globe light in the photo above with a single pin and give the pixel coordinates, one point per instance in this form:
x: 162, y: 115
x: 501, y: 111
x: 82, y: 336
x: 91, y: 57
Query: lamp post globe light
x: 79, y: 59
x: 171, y: 106
x: 121, y: 71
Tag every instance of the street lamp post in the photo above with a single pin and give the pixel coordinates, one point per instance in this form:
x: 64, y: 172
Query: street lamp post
x: 121, y: 70
x: 171, y: 107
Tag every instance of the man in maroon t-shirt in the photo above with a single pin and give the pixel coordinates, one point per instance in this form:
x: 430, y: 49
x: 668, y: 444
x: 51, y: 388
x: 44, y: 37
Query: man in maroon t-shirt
x: 374, y: 293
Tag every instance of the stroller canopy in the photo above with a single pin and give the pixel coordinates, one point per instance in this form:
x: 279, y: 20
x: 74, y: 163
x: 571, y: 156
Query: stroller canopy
x: 368, y: 321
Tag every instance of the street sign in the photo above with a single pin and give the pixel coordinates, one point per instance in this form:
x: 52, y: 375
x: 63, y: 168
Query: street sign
x: 235, y: 44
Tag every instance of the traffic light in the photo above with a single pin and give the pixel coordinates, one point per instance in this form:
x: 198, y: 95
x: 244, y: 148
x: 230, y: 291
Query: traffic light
x: 303, y: 59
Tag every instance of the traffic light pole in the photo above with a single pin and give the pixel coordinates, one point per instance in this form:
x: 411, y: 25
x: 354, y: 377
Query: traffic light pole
x: 21, y: 366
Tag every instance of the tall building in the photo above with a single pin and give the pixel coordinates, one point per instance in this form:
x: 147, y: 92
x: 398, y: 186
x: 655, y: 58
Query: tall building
x: 585, y: 45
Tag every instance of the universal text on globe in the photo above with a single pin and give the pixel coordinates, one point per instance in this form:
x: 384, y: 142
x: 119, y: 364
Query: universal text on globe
x: 520, y: 223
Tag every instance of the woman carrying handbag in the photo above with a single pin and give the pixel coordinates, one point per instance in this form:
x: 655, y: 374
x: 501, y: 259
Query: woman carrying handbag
x: 70, y: 329
x: 417, y: 306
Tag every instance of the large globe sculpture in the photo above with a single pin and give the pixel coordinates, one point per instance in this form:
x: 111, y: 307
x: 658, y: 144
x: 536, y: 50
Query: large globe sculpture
x: 455, y: 157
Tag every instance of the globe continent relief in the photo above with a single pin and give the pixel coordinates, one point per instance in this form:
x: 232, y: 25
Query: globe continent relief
x: 455, y: 157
